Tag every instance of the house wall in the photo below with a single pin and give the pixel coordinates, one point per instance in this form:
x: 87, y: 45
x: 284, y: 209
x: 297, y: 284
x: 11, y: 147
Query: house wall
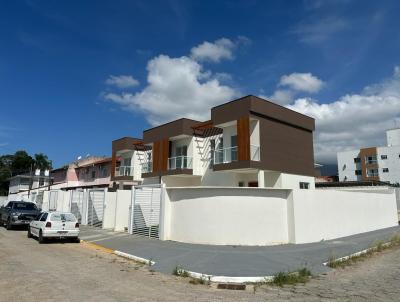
x: 392, y: 163
x: 222, y: 216
x: 257, y: 216
x: 328, y: 214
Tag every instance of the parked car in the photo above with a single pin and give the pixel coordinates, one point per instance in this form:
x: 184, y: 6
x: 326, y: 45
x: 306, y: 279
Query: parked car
x: 18, y: 213
x: 57, y: 225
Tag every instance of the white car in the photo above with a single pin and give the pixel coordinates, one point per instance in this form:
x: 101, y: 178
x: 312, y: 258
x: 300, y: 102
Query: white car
x: 54, y: 225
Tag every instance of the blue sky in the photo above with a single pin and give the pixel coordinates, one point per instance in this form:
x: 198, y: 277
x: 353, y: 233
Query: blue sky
x: 74, y: 75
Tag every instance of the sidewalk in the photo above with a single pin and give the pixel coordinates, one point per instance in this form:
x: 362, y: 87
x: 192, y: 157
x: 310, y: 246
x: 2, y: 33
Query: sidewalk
x: 235, y: 261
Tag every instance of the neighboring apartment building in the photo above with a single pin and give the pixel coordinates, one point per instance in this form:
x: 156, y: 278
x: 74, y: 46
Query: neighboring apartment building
x: 28, y: 182
x: 91, y: 172
x: 127, y: 158
x: 248, y: 142
x: 374, y: 163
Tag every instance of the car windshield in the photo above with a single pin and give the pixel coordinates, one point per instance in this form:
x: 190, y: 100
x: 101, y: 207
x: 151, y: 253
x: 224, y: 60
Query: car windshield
x: 24, y: 206
x: 62, y: 217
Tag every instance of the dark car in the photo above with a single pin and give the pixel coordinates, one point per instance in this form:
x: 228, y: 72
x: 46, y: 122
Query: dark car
x: 18, y: 213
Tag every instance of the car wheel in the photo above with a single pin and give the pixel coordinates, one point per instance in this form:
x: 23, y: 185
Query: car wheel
x: 29, y: 232
x: 41, y: 239
x: 9, y: 225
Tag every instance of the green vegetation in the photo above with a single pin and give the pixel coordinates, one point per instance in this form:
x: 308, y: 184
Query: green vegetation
x: 290, y: 278
x: 180, y: 272
x: 19, y: 163
x: 376, y: 248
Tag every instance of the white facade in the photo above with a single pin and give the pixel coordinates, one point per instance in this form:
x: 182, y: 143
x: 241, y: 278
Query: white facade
x: 256, y: 216
x: 388, y: 161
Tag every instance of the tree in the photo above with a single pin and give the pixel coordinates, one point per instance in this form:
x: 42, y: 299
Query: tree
x: 21, y: 162
x: 42, y: 162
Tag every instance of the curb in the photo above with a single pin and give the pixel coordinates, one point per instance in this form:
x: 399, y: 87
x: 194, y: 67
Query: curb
x: 230, y: 280
x: 135, y: 258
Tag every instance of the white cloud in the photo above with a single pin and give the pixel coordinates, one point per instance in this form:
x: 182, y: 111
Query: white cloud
x: 318, y: 31
x: 122, y: 81
x: 215, y: 52
x: 282, y: 97
x: 354, y: 120
x: 177, y: 87
x: 301, y: 82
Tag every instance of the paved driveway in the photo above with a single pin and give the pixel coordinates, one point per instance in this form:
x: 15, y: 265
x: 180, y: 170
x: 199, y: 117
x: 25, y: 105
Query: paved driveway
x: 74, y: 272
x: 235, y: 261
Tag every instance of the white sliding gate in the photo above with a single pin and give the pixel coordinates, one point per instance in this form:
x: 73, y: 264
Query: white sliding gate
x: 145, y: 210
x: 95, y: 211
x: 53, y: 197
x: 78, y: 204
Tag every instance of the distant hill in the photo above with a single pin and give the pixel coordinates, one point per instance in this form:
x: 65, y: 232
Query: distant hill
x: 329, y: 169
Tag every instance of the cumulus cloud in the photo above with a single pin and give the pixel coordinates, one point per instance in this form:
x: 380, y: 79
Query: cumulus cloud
x: 122, y: 81
x: 354, y: 120
x: 177, y: 87
x: 302, y: 82
x: 282, y: 97
x: 215, y: 51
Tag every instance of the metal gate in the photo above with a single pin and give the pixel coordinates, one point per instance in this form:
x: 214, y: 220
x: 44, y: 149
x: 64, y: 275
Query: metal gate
x: 39, y: 199
x: 145, y: 210
x: 53, y: 196
x: 95, y: 208
x: 77, y: 204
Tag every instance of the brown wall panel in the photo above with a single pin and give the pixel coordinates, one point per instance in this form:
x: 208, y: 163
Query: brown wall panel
x: 285, y: 148
x: 364, y: 166
x: 160, y: 155
x: 243, y: 138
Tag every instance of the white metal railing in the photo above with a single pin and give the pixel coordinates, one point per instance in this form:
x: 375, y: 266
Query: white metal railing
x: 124, y: 171
x: 147, y: 167
x: 254, y: 152
x: 225, y: 155
x: 180, y: 162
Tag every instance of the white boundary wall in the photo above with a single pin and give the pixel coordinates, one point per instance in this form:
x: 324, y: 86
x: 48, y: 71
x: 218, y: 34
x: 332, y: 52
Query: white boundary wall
x: 259, y: 216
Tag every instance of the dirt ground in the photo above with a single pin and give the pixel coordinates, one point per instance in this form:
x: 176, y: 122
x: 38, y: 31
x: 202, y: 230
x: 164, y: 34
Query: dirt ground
x: 77, y: 272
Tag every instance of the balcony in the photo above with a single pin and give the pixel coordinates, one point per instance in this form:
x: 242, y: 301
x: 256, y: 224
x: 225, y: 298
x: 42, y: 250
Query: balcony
x: 147, y: 167
x: 124, y: 171
x: 180, y: 162
x: 230, y: 154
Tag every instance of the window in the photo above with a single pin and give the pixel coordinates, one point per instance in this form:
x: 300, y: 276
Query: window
x: 41, y: 182
x: 358, y: 172
x: 93, y: 174
x: 357, y: 160
x: 28, y: 206
x: 234, y: 147
x: 43, y: 217
x: 371, y: 159
x: 63, y: 217
x: 372, y: 172
x: 212, y: 150
x: 241, y: 183
x: 385, y: 170
x: 304, y: 185
x: 383, y: 156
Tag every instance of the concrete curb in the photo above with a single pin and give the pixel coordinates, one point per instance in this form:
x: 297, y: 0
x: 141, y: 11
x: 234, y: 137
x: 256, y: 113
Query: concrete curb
x: 231, y: 280
x: 362, y: 252
x: 135, y: 258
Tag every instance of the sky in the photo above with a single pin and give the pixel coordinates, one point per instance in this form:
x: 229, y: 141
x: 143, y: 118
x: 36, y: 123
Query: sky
x: 75, y: 75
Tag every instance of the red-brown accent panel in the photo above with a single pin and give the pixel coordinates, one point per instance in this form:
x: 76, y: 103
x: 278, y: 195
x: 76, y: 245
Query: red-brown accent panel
x: 243, y: 138
x: 160, y: 155
x: 364, y: 152
x: 113, y: 164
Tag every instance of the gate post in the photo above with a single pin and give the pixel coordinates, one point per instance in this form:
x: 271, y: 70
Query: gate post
x: 163, y: 220
x: 131, y: 210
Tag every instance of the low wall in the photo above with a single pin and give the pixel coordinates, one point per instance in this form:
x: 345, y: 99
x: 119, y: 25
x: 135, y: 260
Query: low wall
x: 110, y: 205
x: 122, y: 209
x: 328, y: 214
x: 227, y: 216
x: 262, y: 216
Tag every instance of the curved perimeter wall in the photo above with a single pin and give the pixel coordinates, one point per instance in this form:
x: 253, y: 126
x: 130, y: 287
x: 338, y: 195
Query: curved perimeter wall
x: 260, y: 216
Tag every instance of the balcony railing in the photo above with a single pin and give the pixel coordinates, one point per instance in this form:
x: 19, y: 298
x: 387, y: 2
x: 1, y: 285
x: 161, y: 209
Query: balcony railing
x: 225, y: 155
x: 147, y: 167
x: 124, y: 171
x: 180, y: 162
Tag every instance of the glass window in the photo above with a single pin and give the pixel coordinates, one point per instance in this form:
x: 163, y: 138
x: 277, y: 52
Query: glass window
x: 24, y: 206
x: 385, y: 170
x: 357, y: 160
x: 43, y: 217
x: 93, y: 174
x: 358, y: 172
x: 304, y: 185
x: 383, y: 156
x: 62, y: 217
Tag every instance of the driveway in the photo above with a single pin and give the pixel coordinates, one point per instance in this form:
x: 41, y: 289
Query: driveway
x: 235, y: 261
x: 76, y: 272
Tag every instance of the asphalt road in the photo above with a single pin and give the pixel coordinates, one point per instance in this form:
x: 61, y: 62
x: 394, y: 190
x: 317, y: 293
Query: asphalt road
x: 76, y: 272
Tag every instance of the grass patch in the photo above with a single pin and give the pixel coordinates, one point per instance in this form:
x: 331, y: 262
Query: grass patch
x: 203, y: 280
x: 376, y: 248
x: 180, y: 272
x: 286, y: 278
